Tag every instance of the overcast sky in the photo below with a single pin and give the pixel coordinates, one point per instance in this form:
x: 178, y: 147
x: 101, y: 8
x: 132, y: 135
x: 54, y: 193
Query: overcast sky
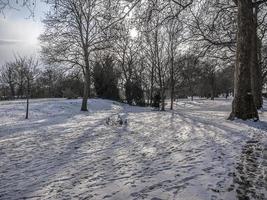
x: 19, y: 33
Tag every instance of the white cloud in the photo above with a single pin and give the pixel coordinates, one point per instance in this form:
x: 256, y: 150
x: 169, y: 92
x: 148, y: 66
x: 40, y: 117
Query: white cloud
x: 8, y: 51
x: 18, y: 37
x: 20, y: 30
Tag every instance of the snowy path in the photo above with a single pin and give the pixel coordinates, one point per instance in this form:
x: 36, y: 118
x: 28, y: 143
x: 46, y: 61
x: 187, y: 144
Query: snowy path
x: 191, y: 153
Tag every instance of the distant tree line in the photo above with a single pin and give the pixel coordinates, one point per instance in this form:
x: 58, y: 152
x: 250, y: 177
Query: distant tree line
x: 46, y: 82
x: 194, y: 79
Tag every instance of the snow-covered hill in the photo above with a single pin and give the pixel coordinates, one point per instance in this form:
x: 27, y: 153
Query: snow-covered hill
x: 190, y: 153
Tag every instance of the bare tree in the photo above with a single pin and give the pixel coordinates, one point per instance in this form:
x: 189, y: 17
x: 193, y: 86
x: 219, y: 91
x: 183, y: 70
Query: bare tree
x: 29, y: 68
x: 31, y: 72
x: 244, y: 105
x: 173, y: 31
x: 73, y: 31
x: 9, y: 76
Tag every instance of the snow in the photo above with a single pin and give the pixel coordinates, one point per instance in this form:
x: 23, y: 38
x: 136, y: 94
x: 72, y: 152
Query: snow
x: 190, y: 153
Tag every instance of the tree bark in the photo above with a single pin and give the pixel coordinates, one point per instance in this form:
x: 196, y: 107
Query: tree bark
x: 12, y: 90
x: 172, y: 94
x: 152, y: 85
x: 28, y: 94
x: 85, y: 90
x: 213, y: 86
x: 256, y: 82
x: 162, y: 99
x: 243, y: 106
x: 172, y: 79
x: 87, y: 80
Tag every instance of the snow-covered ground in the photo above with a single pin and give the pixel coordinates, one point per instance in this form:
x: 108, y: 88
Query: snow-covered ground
x: 191, y: 153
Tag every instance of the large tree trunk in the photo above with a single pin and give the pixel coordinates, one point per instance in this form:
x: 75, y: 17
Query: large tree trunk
x: 87, y: 80
x: 243, y: 106
x: 85, y: 90
x: 256, y: 81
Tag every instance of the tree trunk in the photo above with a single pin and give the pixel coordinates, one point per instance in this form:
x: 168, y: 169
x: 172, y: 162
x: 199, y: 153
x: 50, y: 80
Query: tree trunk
x: 87, y: 79
x: 256, y: 82
x: 191, y: 91
x: 12, y: 91
x: 162, y: 99
x: 89, y: 85
x: 172, y: 96
x: 213, y: 86
x: 172, y: 79
x: 85, y: 90
x: 152, y: 85
x: 28, y: 94
x: 260, y: 67
x: 129, y: 92
x: 243, y: 106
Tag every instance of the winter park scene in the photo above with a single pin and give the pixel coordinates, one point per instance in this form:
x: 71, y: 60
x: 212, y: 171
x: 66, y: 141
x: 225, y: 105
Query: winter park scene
x: 133, y: 99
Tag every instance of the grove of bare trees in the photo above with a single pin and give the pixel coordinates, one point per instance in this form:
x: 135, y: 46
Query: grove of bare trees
x: 133, y: 50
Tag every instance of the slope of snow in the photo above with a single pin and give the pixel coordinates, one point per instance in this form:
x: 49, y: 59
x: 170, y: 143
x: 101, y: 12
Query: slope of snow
x: 189, y: 153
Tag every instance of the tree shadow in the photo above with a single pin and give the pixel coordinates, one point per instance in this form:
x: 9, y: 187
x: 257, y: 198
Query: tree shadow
x: 55, y: 161
x: 249, y: 178
x: 120, y: 157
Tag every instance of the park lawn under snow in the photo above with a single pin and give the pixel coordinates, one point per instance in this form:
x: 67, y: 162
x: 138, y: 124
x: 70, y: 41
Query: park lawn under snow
x: 190, y: 153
